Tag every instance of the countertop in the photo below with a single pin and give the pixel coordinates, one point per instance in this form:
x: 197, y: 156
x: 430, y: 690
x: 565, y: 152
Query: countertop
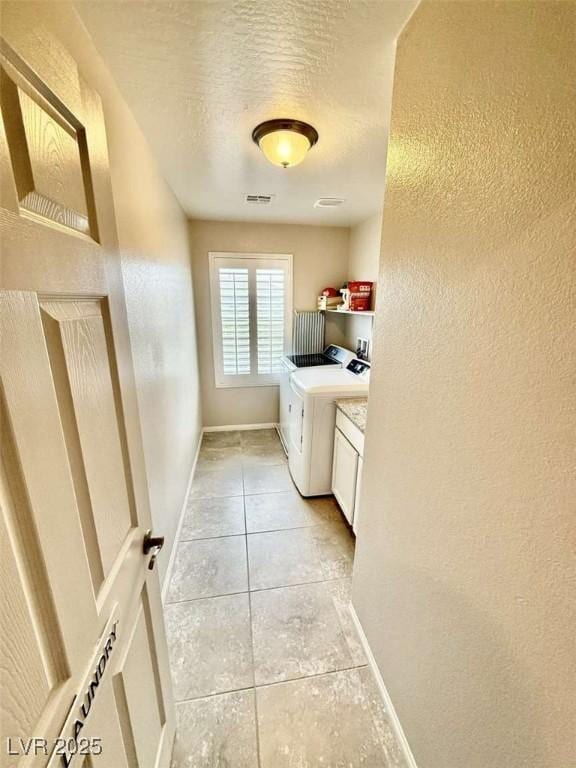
x: 355, y: 408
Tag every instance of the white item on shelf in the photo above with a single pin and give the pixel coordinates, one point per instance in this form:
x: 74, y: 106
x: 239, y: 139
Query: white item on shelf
x: 345, y: 306
x: 328, y: 302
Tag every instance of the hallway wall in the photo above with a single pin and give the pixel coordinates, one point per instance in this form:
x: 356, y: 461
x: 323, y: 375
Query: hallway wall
x: 320, y: 259
x: 464, y: 577
x: 363, y: 264
x: 153, y: 237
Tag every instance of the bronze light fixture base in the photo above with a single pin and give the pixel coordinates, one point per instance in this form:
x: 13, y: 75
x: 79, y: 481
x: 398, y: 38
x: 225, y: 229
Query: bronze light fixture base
x: 285, y: 124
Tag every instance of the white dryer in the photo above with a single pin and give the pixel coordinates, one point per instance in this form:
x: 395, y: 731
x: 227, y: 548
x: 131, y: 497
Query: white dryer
x: 333, y: 356
x: 312, y: 421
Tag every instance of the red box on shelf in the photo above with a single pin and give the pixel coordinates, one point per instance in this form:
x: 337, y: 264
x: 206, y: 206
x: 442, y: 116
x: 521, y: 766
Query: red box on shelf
x: 360, y: 295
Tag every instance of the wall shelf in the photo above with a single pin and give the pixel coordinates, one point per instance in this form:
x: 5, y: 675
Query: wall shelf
x: 365, y: 313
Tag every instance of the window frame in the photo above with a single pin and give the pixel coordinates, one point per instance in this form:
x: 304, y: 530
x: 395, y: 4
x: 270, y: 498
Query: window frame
x: 238, y: 261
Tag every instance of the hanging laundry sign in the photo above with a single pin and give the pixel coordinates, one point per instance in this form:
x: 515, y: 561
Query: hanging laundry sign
x: 72, y: 741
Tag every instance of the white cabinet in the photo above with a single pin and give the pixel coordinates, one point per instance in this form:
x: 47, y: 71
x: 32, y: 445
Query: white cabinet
x: 357, y: 498
x: 347, y: 468
x: 344, y: 473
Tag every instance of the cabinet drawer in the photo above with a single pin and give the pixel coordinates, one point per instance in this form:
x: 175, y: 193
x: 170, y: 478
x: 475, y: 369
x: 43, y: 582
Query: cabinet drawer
x: 351, y: 431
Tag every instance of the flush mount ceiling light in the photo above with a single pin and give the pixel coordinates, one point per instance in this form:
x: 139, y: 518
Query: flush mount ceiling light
x: 285, y: 142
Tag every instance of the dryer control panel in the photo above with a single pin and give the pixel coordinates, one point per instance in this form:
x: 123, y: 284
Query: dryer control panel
x: 359, y: 367
x: 337, y: 354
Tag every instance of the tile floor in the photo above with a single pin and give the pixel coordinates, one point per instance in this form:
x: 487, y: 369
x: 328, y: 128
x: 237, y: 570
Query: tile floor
x: 267, y: 668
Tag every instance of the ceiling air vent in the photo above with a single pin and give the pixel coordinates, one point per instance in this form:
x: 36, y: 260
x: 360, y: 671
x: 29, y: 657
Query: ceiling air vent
x: 259, y: 199
x: 329, y: 202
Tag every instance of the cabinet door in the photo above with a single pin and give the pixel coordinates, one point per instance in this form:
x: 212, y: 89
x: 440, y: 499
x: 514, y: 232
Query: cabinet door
x: 295, y: 422
x: 285, y: 400
x: 344, y: 471
x: 358, y: 497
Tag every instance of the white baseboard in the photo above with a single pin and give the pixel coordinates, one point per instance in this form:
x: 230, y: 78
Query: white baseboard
x: 235, y: 427
x: 168, y: 574
x: 389, y: 706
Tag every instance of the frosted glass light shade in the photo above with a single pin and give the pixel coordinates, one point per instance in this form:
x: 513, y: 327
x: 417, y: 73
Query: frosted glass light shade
x: 285, y: 142
x: 285, y: 148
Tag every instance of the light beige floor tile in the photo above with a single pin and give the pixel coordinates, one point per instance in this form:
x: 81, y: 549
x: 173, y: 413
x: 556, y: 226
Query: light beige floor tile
x: 221, y: 439
x: 251, y: 437
x: 277, y: 511
x: 283, y: 558
x: 263, y: 455
x: 210, y: 484
x: 335, y: 719
x: 340, y: 591
x: 335, y: 547
x: 206, y: 518
x: 382, y: 722
x: 209, y: 567
x: 219, y: 459
x: 318, y: 721
x: 216, y: 732
x: 296, y: 633
x: 210, y: 646
x: 267, y: 479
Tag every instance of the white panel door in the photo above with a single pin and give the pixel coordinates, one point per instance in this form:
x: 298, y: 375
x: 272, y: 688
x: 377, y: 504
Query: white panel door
x: 344, y: 473
x: 83, y: 652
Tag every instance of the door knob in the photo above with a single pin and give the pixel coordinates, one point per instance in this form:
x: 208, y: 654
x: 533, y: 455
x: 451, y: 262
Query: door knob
x: 152, y: 544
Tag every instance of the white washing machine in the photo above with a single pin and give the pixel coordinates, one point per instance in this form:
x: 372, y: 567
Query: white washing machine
x: 332, y: 357
x: 313, y: 418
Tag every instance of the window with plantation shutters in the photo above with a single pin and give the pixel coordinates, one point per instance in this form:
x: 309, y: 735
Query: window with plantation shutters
x: 270, y: 319
x: 234, y: 321
x: 251, y: 316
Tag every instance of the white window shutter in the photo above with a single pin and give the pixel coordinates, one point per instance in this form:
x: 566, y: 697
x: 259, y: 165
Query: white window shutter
x: 235, y: 321
x: 251, y: 316
x: 271, y: 321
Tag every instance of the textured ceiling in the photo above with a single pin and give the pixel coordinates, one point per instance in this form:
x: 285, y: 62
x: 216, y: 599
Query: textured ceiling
x: 199, y: 76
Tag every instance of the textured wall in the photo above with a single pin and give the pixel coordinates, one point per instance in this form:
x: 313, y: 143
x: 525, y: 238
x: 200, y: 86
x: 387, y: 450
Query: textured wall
x: 465, y: 576
x: 153, y: 237
x: 364, y: 259
x: 320, y: 259
x: 363, y: 264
